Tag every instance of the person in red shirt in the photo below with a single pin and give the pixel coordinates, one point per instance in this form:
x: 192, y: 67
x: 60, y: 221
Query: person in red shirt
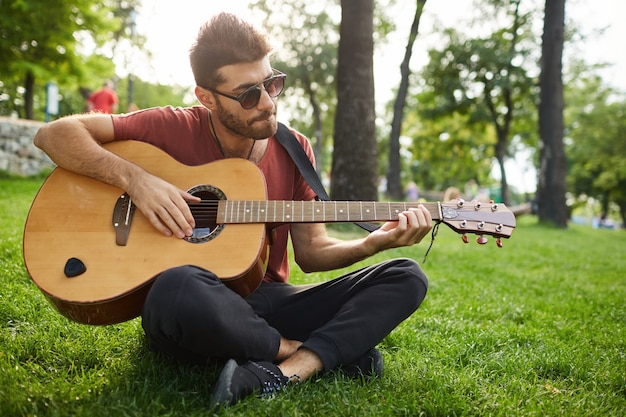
x: 281, y: 333
x: 103, y: 100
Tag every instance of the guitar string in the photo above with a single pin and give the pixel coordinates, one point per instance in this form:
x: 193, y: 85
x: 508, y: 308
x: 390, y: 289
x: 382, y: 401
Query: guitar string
x: 214, y: 204
x: 207, y: 210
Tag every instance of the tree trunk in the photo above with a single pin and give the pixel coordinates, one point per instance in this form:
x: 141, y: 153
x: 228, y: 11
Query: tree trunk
x: 500, y: 157
x: 355, y: 156
x: 29, y: 87
x: 394, y: 183
x: 318, y: 145
x: 551, y: 189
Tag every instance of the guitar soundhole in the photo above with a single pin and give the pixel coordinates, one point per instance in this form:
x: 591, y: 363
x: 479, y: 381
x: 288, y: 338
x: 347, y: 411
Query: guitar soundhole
x: 205, y: 213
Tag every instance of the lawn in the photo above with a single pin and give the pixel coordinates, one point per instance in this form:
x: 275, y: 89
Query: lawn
x: 536, y: 328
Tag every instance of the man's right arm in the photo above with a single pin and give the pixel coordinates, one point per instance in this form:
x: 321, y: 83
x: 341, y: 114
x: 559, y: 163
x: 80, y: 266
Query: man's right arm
x: 74, y: 143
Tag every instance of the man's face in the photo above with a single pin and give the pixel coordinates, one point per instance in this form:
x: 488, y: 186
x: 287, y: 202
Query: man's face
x: 258, y: 122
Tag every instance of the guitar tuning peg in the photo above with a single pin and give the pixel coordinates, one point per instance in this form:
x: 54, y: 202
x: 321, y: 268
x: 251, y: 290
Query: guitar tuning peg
x: 481, y: 240
x: 464, y: 238
x: 499, y: 242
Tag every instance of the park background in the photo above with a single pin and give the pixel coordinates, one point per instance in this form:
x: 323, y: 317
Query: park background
x: 534, y: 328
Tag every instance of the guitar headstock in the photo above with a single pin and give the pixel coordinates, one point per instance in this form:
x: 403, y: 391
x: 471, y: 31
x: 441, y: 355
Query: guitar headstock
x: 492, y: 219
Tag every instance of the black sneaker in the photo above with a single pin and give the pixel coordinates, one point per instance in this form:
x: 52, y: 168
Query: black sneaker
x: 237, y: 382
x: 369, y: 365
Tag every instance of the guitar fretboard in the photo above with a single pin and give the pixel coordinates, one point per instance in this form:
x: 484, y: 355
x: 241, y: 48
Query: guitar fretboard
x: 279, y: 211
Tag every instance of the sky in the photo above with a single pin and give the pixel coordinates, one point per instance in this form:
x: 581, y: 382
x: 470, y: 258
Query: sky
x: 171, y: 27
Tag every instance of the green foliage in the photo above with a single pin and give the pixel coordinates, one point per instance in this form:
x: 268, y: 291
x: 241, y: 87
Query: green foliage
x: 35, y: 53
x: 449, y: 153
x: 596, y: 120
x: 534, y: 328
x: 484, y: 82
x: 147, y: 94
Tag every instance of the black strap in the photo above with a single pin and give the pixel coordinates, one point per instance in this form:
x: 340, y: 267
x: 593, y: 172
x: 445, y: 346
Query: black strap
x: 302, y: 161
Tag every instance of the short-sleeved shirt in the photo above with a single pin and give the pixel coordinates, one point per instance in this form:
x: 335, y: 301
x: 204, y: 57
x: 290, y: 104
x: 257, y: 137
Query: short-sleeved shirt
x: 103, y: 101
x: 185, y: 135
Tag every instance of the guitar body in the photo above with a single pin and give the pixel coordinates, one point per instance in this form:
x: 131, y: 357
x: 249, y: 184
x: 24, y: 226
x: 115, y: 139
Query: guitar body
x: 71, y: 217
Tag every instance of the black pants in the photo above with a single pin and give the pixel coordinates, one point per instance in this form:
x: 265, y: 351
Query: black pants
x: 191, y: 315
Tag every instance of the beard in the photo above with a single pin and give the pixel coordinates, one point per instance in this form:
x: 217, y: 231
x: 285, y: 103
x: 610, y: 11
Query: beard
x: 261, y: 127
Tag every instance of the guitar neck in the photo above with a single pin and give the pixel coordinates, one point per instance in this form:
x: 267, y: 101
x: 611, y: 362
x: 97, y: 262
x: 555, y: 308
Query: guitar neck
x: 278, y: 211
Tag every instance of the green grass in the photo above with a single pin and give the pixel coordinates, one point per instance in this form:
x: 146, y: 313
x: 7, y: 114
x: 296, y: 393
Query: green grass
x: 535, y: 328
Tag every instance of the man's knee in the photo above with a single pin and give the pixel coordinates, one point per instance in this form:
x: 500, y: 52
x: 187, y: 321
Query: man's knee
x: 173, y: 290
x: 414, y: 280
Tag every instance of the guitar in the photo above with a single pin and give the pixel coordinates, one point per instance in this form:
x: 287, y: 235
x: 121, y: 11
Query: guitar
x: 95, y: 257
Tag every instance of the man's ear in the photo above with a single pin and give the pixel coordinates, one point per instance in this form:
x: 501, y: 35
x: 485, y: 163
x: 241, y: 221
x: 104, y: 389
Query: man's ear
x: 205, y: 97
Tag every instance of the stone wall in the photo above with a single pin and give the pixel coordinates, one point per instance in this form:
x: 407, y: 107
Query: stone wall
x: 18, y: 155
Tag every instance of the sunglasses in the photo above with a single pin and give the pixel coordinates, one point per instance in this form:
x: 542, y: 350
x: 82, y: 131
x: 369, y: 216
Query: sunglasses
x: 250, y: 97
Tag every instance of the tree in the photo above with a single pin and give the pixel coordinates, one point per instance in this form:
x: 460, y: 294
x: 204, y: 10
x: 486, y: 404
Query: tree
x: 354, y: 167
x: 551, y: 188
x: 394, y: 183
x: 595, y: 144
x: 448, y: 152
x: 34, y: 51
x: 485, y: 78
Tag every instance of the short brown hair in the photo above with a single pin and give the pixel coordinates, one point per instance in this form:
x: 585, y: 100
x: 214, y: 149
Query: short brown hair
x: 225, y: 40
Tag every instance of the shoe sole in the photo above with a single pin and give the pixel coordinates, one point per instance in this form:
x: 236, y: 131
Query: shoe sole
x: 221, y: 393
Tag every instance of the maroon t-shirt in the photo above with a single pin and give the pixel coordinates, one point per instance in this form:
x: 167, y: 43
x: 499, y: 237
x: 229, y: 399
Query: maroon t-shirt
x: 185, y: 135
x: 103, y: 100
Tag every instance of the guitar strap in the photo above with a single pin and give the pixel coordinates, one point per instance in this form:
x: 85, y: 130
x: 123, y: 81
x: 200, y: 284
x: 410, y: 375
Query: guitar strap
x: 302, y: 161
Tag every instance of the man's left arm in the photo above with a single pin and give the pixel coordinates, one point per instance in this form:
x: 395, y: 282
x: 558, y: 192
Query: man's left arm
x: 315, y: 251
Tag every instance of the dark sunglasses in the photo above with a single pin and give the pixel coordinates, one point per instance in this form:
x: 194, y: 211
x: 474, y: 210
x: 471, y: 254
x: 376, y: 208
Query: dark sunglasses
x: 250, y: 97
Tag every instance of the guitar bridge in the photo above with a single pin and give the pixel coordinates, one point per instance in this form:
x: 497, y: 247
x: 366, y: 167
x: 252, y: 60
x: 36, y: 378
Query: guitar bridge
x: 123, y: 218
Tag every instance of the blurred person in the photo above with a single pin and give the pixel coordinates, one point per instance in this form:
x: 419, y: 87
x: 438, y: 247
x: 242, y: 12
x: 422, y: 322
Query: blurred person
x: 103, y: 100
x: 412, y: 191
x: 451, y: 193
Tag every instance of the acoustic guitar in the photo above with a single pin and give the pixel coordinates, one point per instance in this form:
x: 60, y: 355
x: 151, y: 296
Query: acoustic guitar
x: 95, y: 257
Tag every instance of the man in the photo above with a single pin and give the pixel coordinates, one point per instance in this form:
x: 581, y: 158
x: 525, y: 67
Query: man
x: 103, y: 100
x: 281, y: 333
